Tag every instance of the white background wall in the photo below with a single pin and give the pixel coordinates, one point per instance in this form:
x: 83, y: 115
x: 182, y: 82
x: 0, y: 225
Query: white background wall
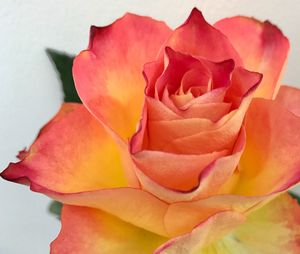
x: 30, y: 92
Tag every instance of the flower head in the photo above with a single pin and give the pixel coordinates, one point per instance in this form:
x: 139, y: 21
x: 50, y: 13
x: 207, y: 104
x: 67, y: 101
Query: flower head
x: 180, y: 146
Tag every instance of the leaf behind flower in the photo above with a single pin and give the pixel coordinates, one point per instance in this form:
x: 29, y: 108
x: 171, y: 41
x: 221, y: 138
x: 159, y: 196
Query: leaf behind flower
x: 295, y: 196
x: 55, y: 208
x: 63, y: 63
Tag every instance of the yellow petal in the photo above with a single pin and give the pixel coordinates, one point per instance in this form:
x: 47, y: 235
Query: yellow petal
x: 273, y: 229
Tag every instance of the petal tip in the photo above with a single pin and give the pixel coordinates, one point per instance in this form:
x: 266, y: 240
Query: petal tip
x: 195, y: 16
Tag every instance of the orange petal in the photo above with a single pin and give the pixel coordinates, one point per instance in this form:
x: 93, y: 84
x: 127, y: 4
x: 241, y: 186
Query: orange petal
x: 195, y: 108
x: 196, y: 37
x: 271, y: 159
x: 164, y: 133
x: 273, y: 229
x: 155, y: 110
x: 72, y: 153
x: 195, y: 78
x: 267, y: 52
x: 174, y: 171
x: 214, y: 96
x: 175, y: 129
x: 289, y: 97
x: 210, y: 179
x: 221, y: 138
x: 241, y: 83
x: 91, y: 231
x: 108, y: 76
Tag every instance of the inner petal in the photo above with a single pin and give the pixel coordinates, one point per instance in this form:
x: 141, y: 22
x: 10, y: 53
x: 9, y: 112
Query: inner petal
x: 173, y: 171
x: 182, y: 99
x: 196, y: 107
x: 194, y: 83
x: 198, y: 77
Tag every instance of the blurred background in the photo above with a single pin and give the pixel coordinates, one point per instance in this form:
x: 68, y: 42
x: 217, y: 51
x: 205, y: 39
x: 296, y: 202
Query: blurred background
x: 31, y: 94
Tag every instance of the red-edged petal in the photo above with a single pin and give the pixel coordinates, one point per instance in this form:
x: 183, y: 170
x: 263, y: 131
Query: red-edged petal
x: 72, y: 153
x: 91, y: 231
x: 196, y: 37
x: 177, y: 64
x: 108, y: 76
x: 289, y: 97
x: 242, y: 82
x: 262, y: 47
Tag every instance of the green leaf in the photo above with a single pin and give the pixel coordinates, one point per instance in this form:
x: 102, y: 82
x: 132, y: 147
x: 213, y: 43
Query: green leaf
x: 295, y: 196
x: 63, y: 64
x: 55, y: 208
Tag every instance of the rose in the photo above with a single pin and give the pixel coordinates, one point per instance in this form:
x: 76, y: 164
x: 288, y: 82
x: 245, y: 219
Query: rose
x: 196, y: 176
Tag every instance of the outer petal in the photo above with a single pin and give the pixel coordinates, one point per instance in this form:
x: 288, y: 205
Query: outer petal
x: 194, y: 212
x: 267, y: 52
x: 168, y: 220
x: 273, y: 229
x: 91, y: 231
x: 289, y: 97
x: 271, y: 158
x: 196, y: 37
x: 204, y: 234
x: 108, y: 76
x: 124, y: 203
x: 72, y: 153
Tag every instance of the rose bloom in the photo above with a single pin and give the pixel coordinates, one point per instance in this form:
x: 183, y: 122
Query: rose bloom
x: 186, y: 142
